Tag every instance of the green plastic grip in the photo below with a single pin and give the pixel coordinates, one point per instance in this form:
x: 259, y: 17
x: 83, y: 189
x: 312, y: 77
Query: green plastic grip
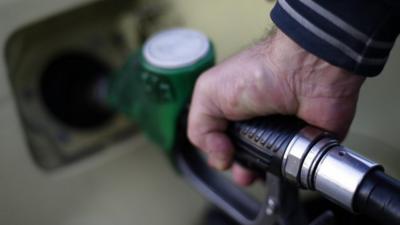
x: 154, y: 97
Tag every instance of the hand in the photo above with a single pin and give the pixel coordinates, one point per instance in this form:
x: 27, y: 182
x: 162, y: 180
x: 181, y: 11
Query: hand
x: 276, y: 76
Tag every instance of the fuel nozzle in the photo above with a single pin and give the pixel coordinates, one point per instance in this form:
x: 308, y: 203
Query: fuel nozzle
x: 316, y: 161
x: 313, y: 159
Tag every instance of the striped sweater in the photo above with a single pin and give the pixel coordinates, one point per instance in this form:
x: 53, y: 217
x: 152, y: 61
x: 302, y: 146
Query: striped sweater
x: 356, y: 35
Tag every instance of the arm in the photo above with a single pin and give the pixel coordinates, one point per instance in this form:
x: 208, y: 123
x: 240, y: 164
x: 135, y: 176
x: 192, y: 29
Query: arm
x: 308, y: 68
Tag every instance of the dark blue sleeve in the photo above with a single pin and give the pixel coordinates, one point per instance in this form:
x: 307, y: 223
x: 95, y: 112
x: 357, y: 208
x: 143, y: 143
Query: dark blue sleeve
x: 356, y: 35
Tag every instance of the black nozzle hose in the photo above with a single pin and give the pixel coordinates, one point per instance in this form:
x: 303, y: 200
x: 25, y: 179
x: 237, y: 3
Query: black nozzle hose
x: 262, y: 142
x: 379, y: 197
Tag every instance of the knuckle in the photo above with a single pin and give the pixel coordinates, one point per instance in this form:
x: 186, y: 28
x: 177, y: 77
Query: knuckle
x: 232, y: 95
x: 193, y: 134
x: 203, y: 78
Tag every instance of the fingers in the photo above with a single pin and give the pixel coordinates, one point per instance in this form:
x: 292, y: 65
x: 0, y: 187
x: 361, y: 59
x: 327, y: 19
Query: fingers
x: 219, y: 150
x: 206, y: 129
x: 208, y: 134
x: 242, y: 176
x: 210, y: 138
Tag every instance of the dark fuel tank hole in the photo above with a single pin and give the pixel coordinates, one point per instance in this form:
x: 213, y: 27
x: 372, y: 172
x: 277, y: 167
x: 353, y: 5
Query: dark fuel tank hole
x: 68, y: 86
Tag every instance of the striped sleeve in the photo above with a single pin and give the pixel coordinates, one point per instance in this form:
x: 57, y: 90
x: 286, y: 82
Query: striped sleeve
x: 356, y: 35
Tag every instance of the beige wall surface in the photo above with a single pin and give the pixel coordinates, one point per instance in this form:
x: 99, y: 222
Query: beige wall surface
x: 137, y: 186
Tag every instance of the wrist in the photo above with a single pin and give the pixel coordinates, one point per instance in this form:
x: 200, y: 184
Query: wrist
x: 305, y: 73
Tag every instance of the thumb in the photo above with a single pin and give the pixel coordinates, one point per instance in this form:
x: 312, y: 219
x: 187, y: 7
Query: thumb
x: 206, y: 130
